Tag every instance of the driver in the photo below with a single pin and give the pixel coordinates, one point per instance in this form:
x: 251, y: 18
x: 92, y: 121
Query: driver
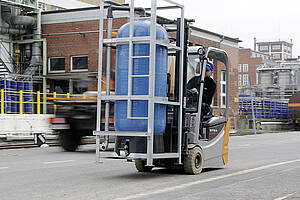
x: 209, y: 88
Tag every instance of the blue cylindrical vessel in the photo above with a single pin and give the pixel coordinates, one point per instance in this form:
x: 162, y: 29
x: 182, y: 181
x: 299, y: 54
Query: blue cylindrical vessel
x: 20, y: 86
x: 5, y: 84
x: 27, y: 97
x: 13, y: 89
x: 140, y: 85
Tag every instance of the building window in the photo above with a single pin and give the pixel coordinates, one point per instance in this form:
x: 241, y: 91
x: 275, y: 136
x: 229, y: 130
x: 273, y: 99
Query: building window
x: 263, y: 48
x: 276, y: 47
x: 57, y: 64
x: 223, y: 89
x: 245, y: 67
x: 276, y: 56
x: 240, y: 80
x: 240, y: 67
x: 79, y: 63
x: 245, y: 79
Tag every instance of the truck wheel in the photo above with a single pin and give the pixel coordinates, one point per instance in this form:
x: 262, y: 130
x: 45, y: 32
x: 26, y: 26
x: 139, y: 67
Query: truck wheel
x: 140, y: 165
x: 193, y: 162
x: 69, y: 141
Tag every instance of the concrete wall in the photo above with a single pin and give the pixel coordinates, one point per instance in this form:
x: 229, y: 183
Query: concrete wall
x: 26, y: 124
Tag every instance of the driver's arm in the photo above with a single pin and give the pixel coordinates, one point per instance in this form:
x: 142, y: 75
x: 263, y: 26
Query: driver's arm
x: 192, y: 83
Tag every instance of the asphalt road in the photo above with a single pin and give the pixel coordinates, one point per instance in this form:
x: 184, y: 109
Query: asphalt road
x: 265, y: 166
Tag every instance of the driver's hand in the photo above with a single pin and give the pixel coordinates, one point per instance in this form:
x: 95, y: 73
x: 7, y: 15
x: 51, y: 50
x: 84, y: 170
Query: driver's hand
x: 194, y: 90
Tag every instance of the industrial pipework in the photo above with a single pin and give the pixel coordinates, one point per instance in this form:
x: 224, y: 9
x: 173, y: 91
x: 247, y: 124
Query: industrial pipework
x: 27, y: 22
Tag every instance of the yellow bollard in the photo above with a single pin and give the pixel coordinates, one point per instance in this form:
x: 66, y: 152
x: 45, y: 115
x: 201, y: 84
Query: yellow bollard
x: 54, y: 96
x: 38, y: 97
x: 21, y: 102
x: 68, y: 95
x: 2, y: 101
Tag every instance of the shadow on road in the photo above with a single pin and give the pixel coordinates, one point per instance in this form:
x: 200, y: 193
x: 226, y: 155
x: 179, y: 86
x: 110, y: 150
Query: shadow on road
x: 156, y: 173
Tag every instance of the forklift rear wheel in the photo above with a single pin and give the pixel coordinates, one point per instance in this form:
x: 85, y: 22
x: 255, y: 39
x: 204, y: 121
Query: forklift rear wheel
x: 140, y: 165
x: 193, y: 162
x: 69, y: 141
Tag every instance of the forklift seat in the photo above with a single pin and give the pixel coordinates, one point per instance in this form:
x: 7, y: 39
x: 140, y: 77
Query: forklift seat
x: 213, y: 121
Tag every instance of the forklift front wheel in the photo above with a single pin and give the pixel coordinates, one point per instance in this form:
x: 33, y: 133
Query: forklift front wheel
x: 140, y: 165
x: 193, y: 162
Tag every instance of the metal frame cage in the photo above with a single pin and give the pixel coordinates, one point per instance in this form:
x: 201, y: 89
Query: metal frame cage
x: 151, y: 40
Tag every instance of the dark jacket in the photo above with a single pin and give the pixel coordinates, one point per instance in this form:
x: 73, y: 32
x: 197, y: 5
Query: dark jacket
x: 209, y: 88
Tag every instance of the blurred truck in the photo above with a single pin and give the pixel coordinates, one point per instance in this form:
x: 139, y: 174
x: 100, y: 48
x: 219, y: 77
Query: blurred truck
x: 76, y: 118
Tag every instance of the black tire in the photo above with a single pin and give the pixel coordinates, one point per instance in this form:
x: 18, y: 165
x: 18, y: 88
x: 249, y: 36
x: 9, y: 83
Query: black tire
x: 69, y: 141
x: 193, y: 162
x: 140, y: 165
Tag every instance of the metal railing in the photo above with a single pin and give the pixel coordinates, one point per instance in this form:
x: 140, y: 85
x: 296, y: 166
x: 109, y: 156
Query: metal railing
x: 263, y: 108
x: 14, y: 102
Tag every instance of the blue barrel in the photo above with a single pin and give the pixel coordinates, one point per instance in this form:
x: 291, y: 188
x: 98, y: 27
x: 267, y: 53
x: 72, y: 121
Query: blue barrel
x: 8, y: 96
x: 20, y: 86
x: 27, y: 96
x: 14, y: 96
x: 259, y: 113
x: 2, y: 84
x: 140, y: 85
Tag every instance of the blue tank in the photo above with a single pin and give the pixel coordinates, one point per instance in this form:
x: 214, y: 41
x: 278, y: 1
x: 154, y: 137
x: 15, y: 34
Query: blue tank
x: 140, y: 85
x: 14, y: 98
x: 20, y: 86
x: 27, y: 97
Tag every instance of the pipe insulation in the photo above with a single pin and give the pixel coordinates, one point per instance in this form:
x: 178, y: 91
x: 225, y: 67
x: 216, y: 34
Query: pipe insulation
x: 36, y: 57
x: 36, y: 52
x: 16, y: 20
x: 6, y: 14
x: 13, y: 31
x: 23, y: 20
x: 28, y: 51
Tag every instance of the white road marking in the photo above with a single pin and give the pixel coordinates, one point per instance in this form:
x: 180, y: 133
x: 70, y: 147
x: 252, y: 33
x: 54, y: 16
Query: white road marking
x: 281, y: 198
x: 185, y: 185
x: 3, y: 168
x: 241, y: 146
x: 59, y: 161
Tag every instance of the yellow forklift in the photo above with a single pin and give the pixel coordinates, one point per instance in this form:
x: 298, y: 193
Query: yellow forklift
x: 155, y: 127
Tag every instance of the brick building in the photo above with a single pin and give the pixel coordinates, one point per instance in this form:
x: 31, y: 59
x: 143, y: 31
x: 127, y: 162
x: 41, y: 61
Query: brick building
x: 249, y: 60
x: 72, y: 50
x: 279, y: 50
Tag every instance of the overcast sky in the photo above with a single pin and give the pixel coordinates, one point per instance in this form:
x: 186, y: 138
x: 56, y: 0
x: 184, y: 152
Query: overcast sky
x: 267, y: 20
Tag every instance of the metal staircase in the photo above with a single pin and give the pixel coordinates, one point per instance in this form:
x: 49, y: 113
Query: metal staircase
x: 3, y: 69
x: 6, y: 61
x: 8, y: 64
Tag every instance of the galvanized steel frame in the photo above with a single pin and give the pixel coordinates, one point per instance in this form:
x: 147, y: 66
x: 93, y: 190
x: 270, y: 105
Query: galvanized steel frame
x: 151, y: 94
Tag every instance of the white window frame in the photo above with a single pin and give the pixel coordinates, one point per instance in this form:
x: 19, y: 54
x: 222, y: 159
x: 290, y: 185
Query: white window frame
x: 222, y: 93
x: 56, y: 71
x: 240, y: 80
x: 276, y: 56
x: 264, y: 48
x: 240, y: 67
x: 245, y: 79
x: 79, y: 70
x: 245, y: 67
x: 276, y: 47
